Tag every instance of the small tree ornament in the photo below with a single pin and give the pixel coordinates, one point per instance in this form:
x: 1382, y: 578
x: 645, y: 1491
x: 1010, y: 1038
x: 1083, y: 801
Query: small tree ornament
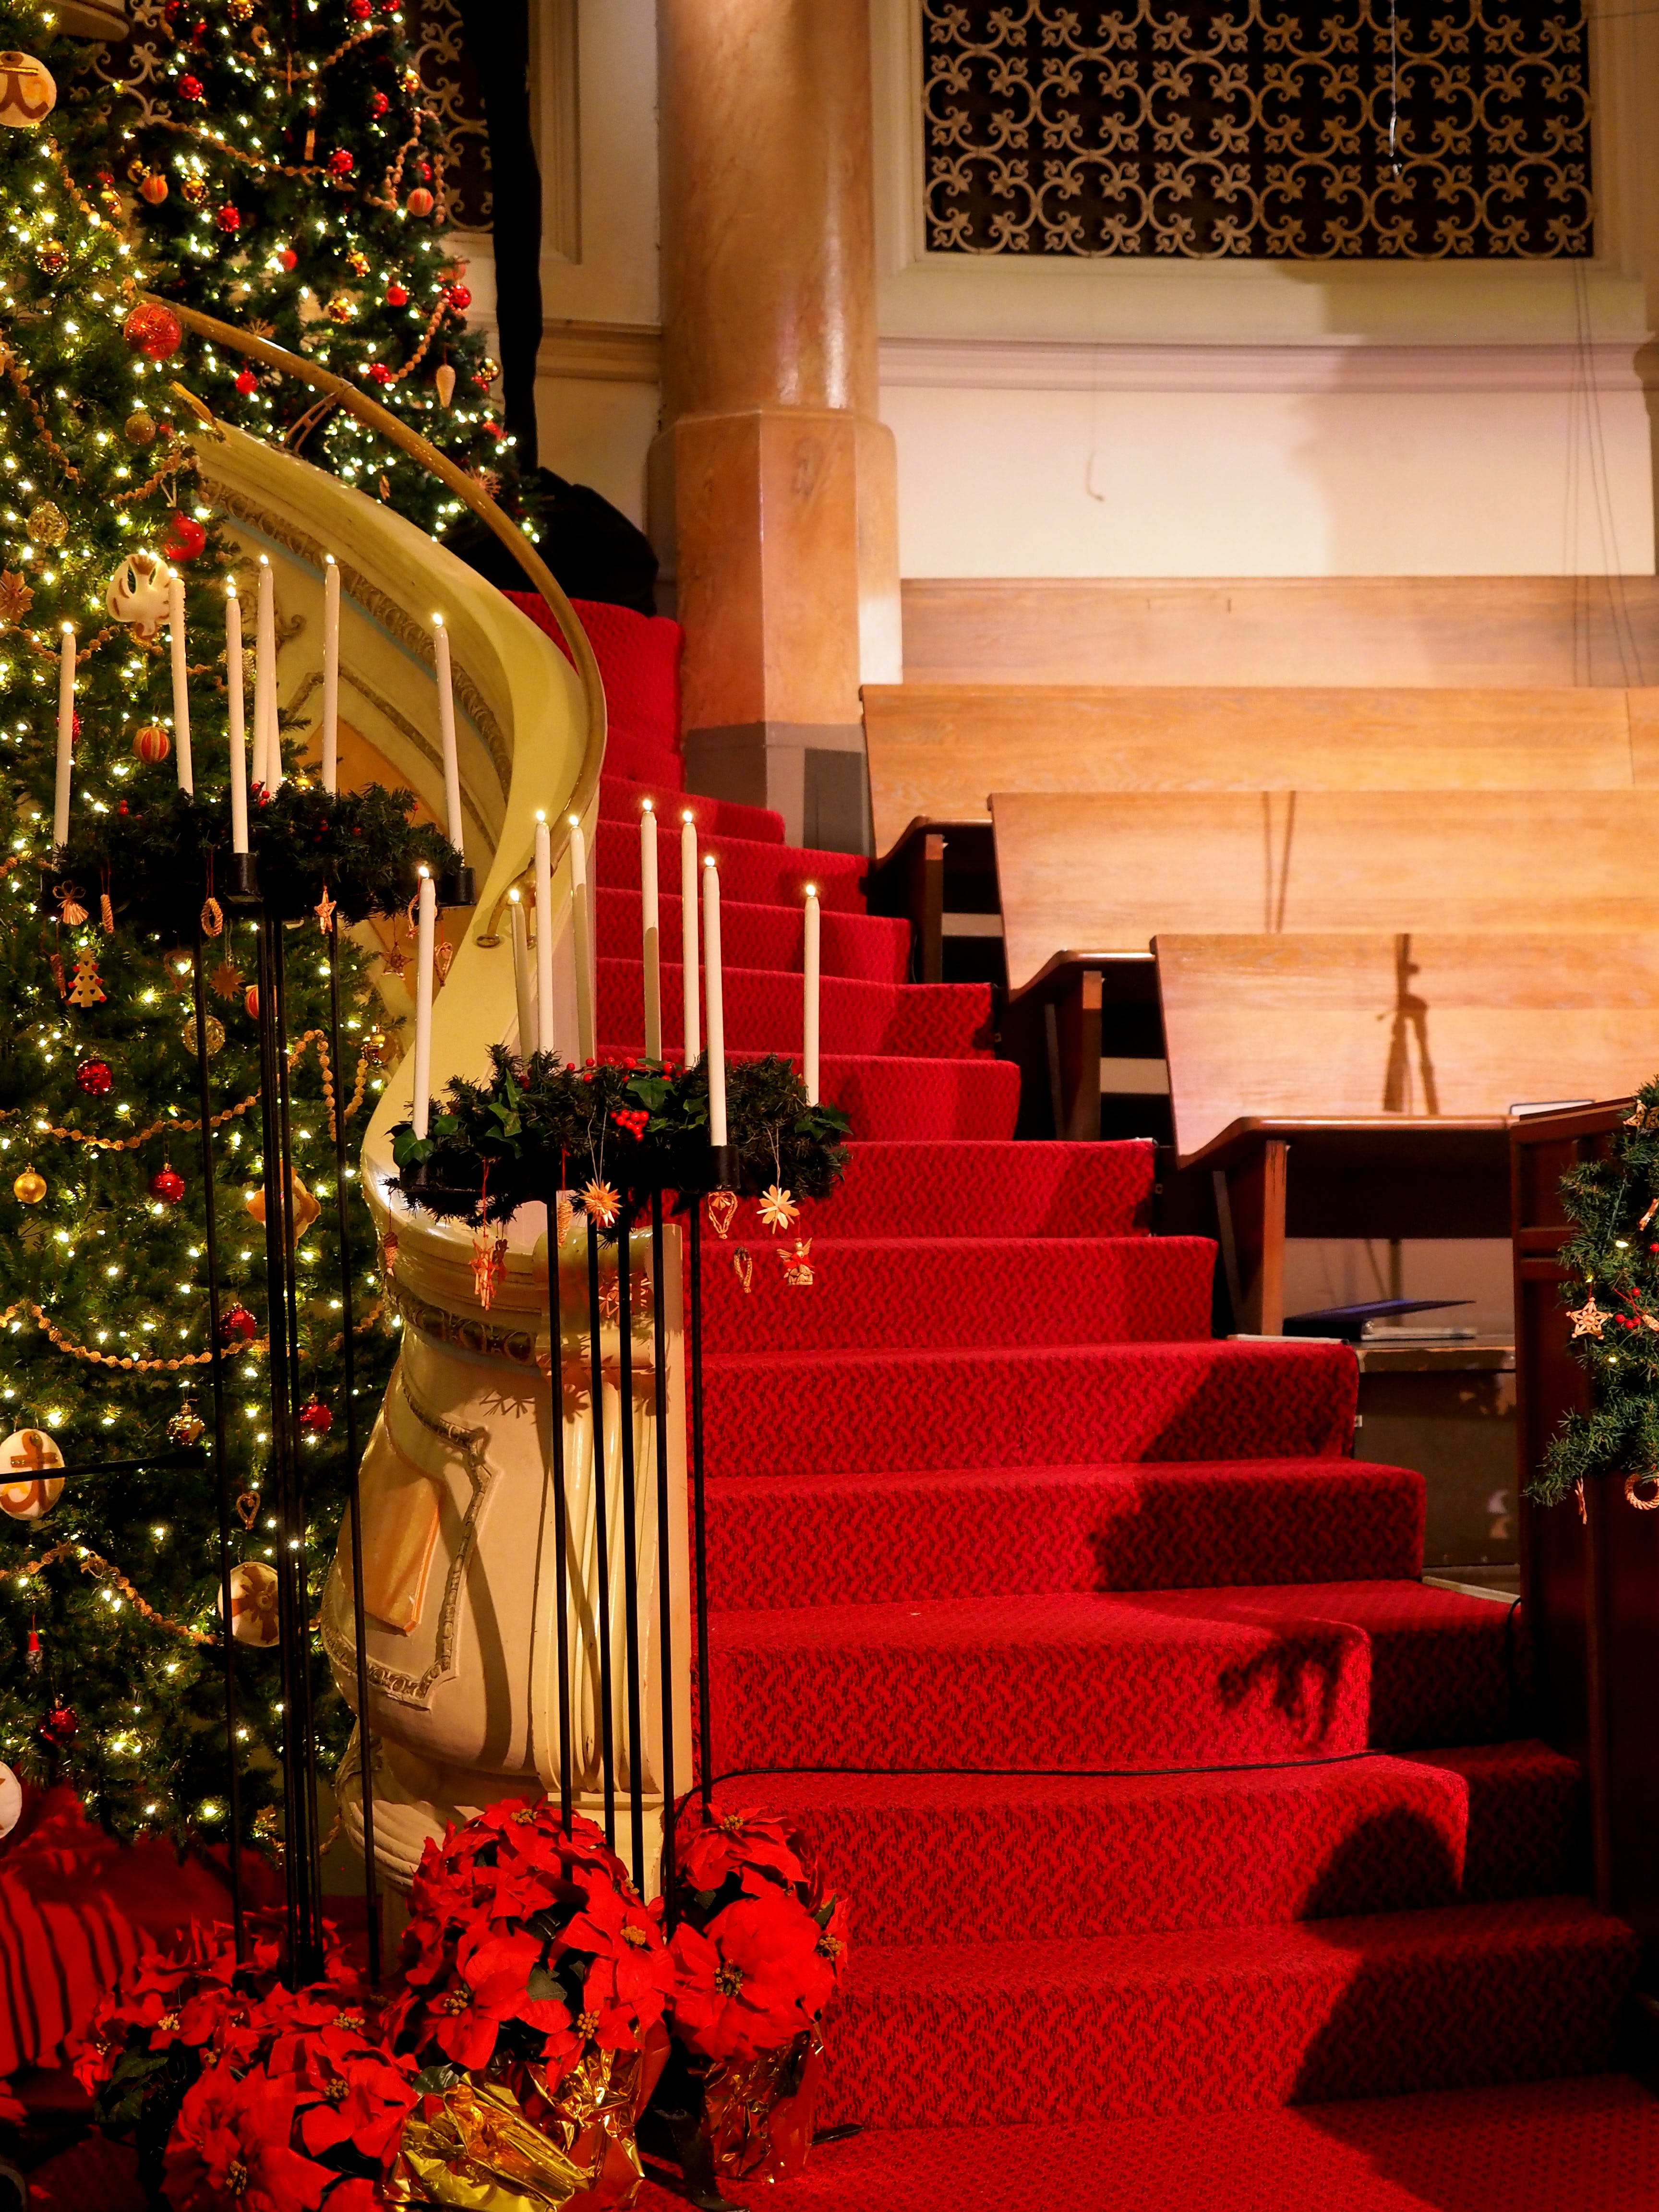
x: 154, y: 330
x: 185, y: 540
x: 93, y: 1077
x: 237, y: 1326
x: 253, y: 1614
x: 30, y: 1482
x: 151, y: 744
x: 315, y: 1418
x: 28, y: 91
x: 87, y: 985
x: 29, y: 1188
x: 167, y: 1185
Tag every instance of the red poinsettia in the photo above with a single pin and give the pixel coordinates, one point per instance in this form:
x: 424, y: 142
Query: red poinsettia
x: 744, y: 1844
x: 364, y: 2094
x: 753, y: 1978
x: 229, y: 2150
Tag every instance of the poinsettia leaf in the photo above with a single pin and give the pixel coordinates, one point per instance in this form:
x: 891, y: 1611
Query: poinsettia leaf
x: 543, y: 1987
x: 433, y: 2080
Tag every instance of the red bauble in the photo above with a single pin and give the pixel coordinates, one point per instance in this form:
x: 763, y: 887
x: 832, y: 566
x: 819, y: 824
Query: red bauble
x: 459, y: 298
x: 397, y: 294
x: 190, y: 88
x: 237, y: 1326
x: 419, y: 202
x: 154, y: 188
x: 379, y: 106
x: 154, y: 330
x: 185, y: 538
x: 490, y: 430
x: 379, y: 373
x: 152, y: 743
x: 359, y: 10
x: 60, y: 1725
x: 247, y: 382
x: 168, y: 1185
x: 250, y: 1001
x: 94, y: 1077
x: 315, y: 1417
x: 289, y: 257
x: 229, y: 219
x: 340, y: 162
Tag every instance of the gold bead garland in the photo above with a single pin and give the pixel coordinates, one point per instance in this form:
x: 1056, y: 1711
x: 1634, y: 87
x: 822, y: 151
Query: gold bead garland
x: 105, y: 1571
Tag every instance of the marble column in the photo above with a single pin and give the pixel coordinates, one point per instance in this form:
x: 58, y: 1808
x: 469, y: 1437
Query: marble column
x: 773, y: 482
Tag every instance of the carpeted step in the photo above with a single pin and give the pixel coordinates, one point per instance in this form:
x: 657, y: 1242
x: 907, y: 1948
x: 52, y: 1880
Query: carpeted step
x: 751, y: 871
x: 1126, y: 1853
x: 1125, y: 1678
x: 964, y: 1291
x: 834, y: 1539
x: 620, y: 797
x: 867, y: 945
x: 764, y: 1010
x: 991, y: 1190
x: 884, y: 1095
x: 1228, y: 2019
x: 776, y: 1413
x: 1585, y: 2145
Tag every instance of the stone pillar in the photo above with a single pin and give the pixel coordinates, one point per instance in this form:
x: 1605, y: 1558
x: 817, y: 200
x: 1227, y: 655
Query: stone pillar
x: 773, y: 480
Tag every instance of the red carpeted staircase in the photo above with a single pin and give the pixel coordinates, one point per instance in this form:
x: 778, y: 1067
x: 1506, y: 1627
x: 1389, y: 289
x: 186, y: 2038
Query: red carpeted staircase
x: 988, y: 1497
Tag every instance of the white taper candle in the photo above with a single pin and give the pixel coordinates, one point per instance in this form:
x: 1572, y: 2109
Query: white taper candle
x: 810, y: 968
x: 581, y: 933
x: 544, y: 935
x: 651, y: 928
x: 521, y: 974
x: 330, y: 674
x: 66, y: 734
x: 238, y: 727
x: 179, y: 644
x: 267, y: 744
x: 711, y: 964
x: 447, y: 733
x: 426, y: 931
x: 688, y: 983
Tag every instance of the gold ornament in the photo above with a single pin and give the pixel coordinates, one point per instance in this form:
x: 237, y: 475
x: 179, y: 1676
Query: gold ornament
x: 488, y: 1264
x: 216, y: 1034
x: 444, y: 383
x: 71, y: 912
x: 52, y: 257
x: 138, y: 593
x: 139, y: 429
x: 1634, y: 1482
x: 16, y: 598
x: 1644, y: 1117
x: 30, y: 1187
x: 29, y: 1488
x: 87, y: 985
x: 193, y: 190
x: 226, y: 981
x: 186, y: 1426
x: 48, y: 524
x: 323, y: 911
x: 743, y: 1266
x: 357, y: 262
x: 240, y: 10
x: 253, y: 1615
x: 600, y: 1203
x: 247, y: 1508
x: 339, y: 309
x: 213, y: 918
x: 1589, y: 1320
x: 304, y: 1205
x: 28, y: 91
x: 778, y: 1210
x: 722, y: 1205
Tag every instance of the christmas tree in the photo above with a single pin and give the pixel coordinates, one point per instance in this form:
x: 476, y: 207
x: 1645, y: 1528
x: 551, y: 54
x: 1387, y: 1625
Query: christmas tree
x: 284, y: 169
x: 109, y: 1571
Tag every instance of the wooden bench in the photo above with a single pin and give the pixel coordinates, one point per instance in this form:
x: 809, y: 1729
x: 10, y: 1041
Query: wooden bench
x: 1362, y: 1086
x: 936, y: 750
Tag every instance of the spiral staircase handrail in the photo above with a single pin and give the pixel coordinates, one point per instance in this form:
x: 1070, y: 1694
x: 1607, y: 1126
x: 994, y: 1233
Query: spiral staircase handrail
x: 386, y: 425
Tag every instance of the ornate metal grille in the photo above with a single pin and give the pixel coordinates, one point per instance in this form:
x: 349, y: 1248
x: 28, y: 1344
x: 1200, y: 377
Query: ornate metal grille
x: 1298, y: 129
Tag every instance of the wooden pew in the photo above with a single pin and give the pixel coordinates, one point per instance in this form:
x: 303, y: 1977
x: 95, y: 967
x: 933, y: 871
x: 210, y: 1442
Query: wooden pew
x: 1362, y: 1086
x: 935, y: 750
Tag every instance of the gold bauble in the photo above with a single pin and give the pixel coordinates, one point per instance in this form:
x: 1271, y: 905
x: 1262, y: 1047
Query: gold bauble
x: 30, y: 1187
x: 216, y: 1034
x: 48, y: 525
x: 139, y: 429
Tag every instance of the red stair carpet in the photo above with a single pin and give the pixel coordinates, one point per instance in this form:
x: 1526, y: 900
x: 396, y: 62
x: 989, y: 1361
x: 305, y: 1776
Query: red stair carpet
x: 988, y: 1497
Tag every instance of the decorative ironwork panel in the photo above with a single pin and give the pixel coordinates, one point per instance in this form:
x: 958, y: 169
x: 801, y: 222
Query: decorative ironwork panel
x: 1298, y: 129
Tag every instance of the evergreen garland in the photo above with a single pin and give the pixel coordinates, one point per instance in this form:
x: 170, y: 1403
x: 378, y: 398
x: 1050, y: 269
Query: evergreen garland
x: 539, y: 1124
x: 1612, y: 1292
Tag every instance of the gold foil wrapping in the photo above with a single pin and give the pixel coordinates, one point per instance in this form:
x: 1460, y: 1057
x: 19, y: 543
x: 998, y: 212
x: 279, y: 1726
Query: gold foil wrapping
x: 757, y: 2116
x: 477, y: 2149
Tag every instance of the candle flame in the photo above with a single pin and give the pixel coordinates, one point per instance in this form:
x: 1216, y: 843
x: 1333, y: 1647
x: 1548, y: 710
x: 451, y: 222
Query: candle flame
x: 709, y: 859
x: 645, y: 806
x: 811, y: 891
x: 424, y: 873
x: 540, y: 815
x: 514, y: 894
x: 230, y: 591
x: 328, y: 560
x: 437, y: 622
x: 264, y: 560
x: 687, y: 816
x: 573, y: 820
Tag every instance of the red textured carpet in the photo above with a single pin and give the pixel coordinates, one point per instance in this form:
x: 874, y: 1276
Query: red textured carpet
x: 988, y: 1496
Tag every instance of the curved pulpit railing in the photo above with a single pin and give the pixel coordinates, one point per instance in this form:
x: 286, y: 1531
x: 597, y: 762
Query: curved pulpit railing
x: 462, y: 1589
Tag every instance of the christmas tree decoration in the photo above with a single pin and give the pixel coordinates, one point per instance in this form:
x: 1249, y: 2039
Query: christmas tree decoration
x: 167, y: 1185
x: 743, y: 1266
x: 60, y: 1727
x: 154, y: 189
x: 29, y: 1486
x: 226, y: 981
x: 777, y: 1209
x: 48, y: 524
x: 444, y: 383
x: 216, y: 1036
x: 315, y: 1418
x: 29, y: 1188
x: 28, y: 91
x: 797, y: 1271
x: 87, y: 986
x: 16, y: 598
x: 139, y: 593
x: 186, y: 538
x: 722, y: 1205
x: 93, y: 1077
x: 151, y: 744
x: 52, y: 257
x: 34, y: 1657
x: 141, y: 429
x: 186, y: 1427
x: 253, y: 1614
x: 11, y: 1801
x: 154, y: 330
x: 251, y: 1002
x: 600, y: 1203
x: 302, y: 1207
x: 237, y: 1326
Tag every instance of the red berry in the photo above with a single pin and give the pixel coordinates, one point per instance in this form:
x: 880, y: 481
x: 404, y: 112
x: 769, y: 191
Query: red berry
x: 247, y: 382
x: 397, y: 294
